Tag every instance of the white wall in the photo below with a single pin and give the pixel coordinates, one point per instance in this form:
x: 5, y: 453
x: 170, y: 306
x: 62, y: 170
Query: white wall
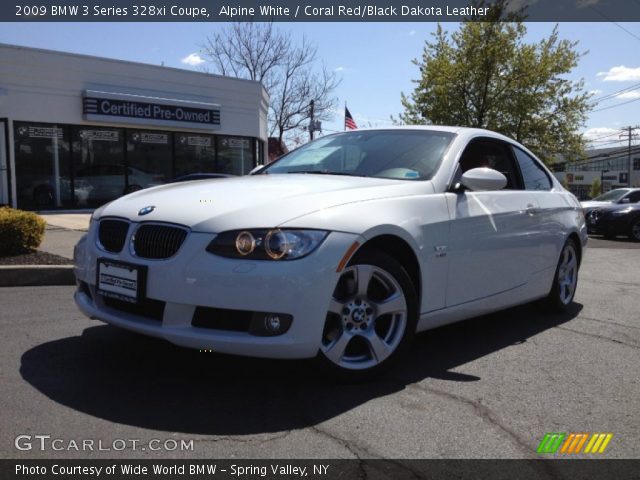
x: 47, y: 86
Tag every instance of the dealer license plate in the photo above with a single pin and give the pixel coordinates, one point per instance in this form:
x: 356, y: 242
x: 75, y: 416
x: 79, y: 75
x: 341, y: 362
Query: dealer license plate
x: 120, y: 280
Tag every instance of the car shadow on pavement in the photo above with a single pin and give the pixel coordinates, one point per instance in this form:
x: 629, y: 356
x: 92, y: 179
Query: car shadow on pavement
x: 140, y: 381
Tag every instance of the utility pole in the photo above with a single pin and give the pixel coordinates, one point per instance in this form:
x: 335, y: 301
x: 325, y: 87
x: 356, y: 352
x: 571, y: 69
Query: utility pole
x: 314, y: 125
x: 629, y: 134
x: 311, y: 120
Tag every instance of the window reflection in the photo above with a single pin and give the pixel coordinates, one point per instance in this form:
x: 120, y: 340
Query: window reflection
x: 76, y: 166
x: 43, y: 173
x: 99, y: 164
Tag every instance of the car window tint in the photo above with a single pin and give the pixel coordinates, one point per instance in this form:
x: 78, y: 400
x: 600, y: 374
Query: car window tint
x: 634, y: 197
x: 492, y: 154
x: 533, y: 175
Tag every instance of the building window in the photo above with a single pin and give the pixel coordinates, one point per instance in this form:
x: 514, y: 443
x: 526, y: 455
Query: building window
x: 149, y: 159
x: 42, y: 166
x: 636, y: 163
x: 235, y: 155
x: 76, y: 166
x: 194, y: 154
x: 99, y: 163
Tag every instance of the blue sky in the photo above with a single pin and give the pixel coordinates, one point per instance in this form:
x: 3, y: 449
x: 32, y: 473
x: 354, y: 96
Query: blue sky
x: 373, y: 59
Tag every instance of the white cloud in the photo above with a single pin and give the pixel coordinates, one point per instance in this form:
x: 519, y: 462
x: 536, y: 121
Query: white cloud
x: 193, y: 59
x: 595, y: 92
x: 633, y: 94
x: 339, y: 69
x: 412, y: 33
x: 599, y: 132
x: 621, y: 74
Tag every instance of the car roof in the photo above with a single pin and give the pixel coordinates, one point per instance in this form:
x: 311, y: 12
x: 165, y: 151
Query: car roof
x: 469, y: 131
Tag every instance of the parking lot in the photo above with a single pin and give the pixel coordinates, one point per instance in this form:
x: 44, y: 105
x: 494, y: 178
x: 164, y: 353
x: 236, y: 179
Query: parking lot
x: 485, y: 388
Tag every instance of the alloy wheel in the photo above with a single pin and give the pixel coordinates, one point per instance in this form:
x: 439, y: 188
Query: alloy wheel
x: 567, y: 274
x: 367, y: 318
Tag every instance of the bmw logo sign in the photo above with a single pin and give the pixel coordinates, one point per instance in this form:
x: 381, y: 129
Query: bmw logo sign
x: 146, y: 210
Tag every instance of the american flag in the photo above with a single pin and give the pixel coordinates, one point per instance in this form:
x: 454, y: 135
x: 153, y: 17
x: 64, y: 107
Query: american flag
x: 349, y: 123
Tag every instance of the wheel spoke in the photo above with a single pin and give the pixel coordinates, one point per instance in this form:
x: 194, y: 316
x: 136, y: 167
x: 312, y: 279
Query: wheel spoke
x: 379, y: 349
x: 363, y: 274
x: 393, y: 304
x: 335, y: 306
x: 336, y: 350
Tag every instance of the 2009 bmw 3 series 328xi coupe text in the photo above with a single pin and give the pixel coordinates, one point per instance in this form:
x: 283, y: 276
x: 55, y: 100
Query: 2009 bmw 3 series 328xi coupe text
x: 341, y: 249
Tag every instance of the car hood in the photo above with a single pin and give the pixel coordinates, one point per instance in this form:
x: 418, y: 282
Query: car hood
x: 257, y: 201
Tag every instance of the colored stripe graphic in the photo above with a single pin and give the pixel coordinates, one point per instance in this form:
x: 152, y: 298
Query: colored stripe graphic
x: 550, y: 442
x: 573, y: 443
x: 598, y: 442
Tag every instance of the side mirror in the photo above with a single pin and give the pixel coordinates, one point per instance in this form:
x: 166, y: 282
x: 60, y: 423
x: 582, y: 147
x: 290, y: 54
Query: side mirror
x: 625, y: 200
x: 483, y: 179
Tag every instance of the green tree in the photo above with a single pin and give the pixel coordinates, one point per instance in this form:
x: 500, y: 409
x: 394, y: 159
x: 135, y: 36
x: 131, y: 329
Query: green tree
x: 596, y: 188
x: 485, y: 75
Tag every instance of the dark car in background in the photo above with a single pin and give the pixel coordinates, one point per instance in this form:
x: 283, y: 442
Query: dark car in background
x: 617, y: 196
x: 616, y: 212
x: 614, y: 220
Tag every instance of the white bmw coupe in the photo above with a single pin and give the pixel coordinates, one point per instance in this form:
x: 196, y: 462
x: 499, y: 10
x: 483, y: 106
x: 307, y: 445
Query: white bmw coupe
x: 341, y: 249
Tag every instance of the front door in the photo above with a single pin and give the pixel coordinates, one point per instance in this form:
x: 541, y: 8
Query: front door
x: 492, y: 233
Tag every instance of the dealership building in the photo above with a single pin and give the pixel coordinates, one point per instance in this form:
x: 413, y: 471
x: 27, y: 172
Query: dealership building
x: 615, y: 167
x: 77, y: 131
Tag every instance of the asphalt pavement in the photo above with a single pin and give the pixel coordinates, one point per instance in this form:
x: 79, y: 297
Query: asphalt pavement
x: 490, y: 387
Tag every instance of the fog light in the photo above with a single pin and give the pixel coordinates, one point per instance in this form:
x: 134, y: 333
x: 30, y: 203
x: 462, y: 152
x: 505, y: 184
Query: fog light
x: 272, y: 323
x: 269, y: 324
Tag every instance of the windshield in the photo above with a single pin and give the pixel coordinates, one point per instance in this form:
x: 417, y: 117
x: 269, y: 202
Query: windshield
x: 611, y: 195
x: 397, y: 154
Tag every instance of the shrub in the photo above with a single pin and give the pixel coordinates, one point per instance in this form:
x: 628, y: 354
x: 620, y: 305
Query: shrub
x: 596, y: 188
x: 20, y: 231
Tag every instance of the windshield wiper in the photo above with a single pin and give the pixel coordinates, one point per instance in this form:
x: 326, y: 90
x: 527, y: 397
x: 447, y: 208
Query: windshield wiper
x: 326, y: 172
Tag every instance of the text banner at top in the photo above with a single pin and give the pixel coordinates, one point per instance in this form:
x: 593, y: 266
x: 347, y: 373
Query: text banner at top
x: 311, y: 10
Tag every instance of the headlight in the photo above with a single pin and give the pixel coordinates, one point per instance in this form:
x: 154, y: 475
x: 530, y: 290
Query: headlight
x: 263, y: 244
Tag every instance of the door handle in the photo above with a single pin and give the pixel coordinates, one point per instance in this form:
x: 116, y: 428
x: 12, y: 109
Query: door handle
x: 532, y: 210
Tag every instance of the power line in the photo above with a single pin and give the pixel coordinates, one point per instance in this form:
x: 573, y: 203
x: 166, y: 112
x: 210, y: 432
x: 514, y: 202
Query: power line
x: 616, y: 93
x: 614, y: 106
x: 616, y: 24
x: 617, y: 132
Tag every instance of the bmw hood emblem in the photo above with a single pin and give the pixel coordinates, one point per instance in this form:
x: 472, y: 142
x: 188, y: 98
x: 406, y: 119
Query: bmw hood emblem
x: 146, y: 210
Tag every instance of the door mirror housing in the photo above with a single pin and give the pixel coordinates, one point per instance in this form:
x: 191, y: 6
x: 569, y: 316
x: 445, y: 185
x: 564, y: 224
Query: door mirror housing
x: 625, y: 200
x: 483, y: 179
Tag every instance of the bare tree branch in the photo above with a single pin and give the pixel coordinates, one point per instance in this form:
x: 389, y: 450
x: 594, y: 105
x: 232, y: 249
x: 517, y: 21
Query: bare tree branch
x: 289, y: 72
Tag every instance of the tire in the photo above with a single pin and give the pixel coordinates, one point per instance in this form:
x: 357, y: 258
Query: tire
x: 371, y: 319
x: 634, y: 231
x: 132, y: 188
x: 565, y: 279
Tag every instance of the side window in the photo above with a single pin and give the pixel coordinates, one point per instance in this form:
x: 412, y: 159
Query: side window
x: 533, y: 175
x: 492, y: 154
x: 634, y: 197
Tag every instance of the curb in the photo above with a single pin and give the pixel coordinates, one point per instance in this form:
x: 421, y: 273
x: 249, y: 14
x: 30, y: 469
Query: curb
x: 36, y: 275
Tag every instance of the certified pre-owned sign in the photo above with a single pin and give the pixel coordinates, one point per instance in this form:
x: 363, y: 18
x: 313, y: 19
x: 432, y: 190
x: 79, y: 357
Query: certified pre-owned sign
x: 148, y: 110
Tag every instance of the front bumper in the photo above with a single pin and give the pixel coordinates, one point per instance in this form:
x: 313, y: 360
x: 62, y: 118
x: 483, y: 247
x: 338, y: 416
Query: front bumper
x: 195, y: 278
